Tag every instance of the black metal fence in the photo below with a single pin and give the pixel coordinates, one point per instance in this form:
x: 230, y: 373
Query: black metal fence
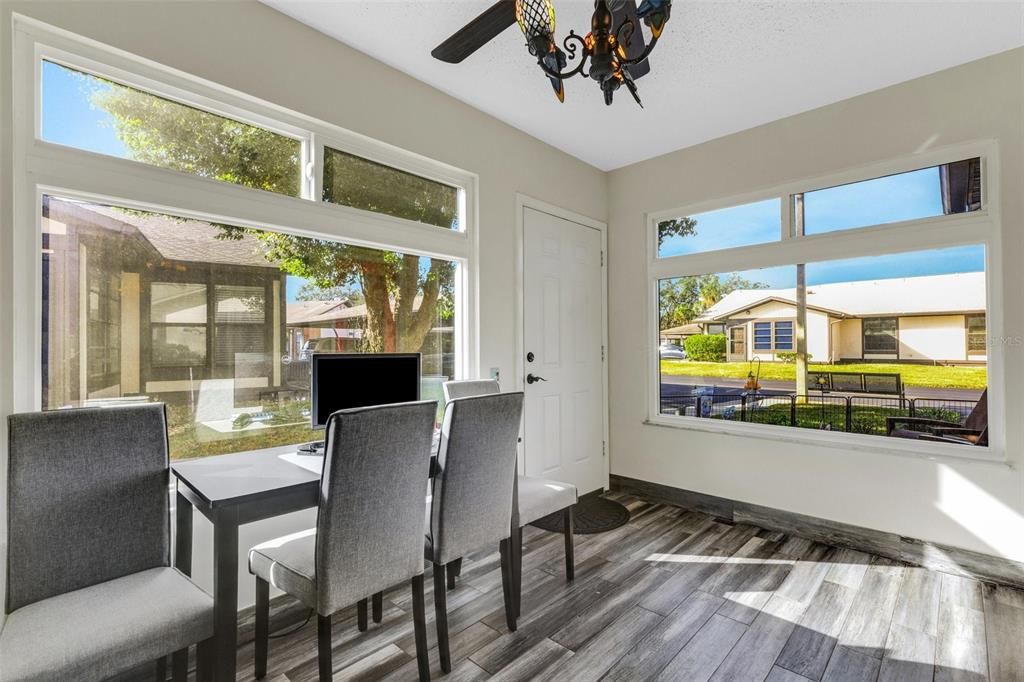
x: 852, y: 414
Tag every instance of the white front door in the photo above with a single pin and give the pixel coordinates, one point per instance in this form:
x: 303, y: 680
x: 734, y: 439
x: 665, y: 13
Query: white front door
x: 563, y: 364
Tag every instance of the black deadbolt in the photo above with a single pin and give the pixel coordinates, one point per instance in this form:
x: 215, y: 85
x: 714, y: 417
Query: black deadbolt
x: 529, y: 357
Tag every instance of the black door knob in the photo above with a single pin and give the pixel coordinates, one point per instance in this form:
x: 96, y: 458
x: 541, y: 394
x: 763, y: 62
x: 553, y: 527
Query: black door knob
x: 530, y: 379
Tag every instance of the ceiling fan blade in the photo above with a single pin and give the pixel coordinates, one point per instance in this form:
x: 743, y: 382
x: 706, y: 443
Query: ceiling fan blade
x: 623, y: 10
x: 478, y: 32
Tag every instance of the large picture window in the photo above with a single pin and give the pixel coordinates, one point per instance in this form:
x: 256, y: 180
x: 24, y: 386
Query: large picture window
x: 214, y: 302
x: 891, y: 343
x: 222, y: 331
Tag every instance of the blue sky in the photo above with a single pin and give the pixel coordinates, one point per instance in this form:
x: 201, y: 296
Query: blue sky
x: 884, y: 200
x: 70, y: 118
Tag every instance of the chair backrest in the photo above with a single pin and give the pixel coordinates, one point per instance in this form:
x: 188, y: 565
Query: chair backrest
x: 472, y: 495
x: 978, y: 418
x: 87, y: 498
x: 372, y: 492
x: 466, y: 388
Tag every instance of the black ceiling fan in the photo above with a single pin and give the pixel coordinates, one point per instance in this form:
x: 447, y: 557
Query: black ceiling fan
x: 615, y: 46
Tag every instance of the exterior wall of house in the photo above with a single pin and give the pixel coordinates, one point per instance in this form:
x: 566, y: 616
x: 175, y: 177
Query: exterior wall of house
x: 818, y: 336
x: 851, y: 341
x: 933, y: 337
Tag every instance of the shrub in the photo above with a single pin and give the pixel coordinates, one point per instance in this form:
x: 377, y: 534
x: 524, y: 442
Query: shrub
x: 789, y: 357
x: 706, y: 347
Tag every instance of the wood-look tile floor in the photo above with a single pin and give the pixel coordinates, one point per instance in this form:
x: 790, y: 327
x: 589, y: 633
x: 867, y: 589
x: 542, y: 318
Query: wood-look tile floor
x: 679, y: 595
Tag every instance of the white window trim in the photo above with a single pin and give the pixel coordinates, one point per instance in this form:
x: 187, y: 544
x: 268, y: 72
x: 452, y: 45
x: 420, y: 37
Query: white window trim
x: 977, y: 227
x: 41, y: 167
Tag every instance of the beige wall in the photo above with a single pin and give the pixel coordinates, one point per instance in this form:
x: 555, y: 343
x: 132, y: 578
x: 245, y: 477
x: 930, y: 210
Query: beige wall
x: 850, y: 339
x: 254, y: 49
x: 978, y: 506
x: 933, y: 337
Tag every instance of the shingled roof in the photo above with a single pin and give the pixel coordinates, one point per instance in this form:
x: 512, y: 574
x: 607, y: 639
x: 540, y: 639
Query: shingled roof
x: 193, y: 241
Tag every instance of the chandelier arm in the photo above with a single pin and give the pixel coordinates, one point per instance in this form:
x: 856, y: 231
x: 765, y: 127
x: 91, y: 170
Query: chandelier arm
x: 570, y: 50
x: 643, y: 55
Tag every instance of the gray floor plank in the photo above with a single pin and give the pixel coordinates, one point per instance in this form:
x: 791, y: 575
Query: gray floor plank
x: 460, y: 646
x: 580, y: 629
x: 807, y: 574
x: 909, y: 656
x: 962, y: 591
x: 849, y: 665
x: 698, y: 660
x: 867, y: 625
x: 782, y: 675
x: 665, y: 640
x: 809, y: 648
x: 602, y: 652
x: 1004, y: 625
x: 961, y: 653
x: 917, y: 606
x: 542, y: 655
x: 755, y: 654
x: 848, y: 567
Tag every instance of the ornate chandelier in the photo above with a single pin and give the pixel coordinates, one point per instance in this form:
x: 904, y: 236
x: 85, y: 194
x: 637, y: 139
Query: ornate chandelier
x: 614, y: 48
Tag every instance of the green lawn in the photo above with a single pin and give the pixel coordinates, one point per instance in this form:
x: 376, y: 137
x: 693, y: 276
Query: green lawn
x: 927, y: 376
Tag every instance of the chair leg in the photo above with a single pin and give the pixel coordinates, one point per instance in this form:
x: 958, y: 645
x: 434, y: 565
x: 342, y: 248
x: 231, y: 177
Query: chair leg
x: 161, y: 669
x: 441, y: 618
x: 419, y: 622
x: 262, y: 627
x: 323, y: 646
x: 179, y: 665
x: 517, y: 570
x: 505, y: 550
x: 204, y: 661
x: 454, y: 570
x: 378, y: 607
x: 568, y: 516
x: 361, y: 615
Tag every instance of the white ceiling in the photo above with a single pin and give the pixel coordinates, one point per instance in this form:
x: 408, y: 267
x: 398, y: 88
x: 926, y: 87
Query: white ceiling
x: 721, y: 66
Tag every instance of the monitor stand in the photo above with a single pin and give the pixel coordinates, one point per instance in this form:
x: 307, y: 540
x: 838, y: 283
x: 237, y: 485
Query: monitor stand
x: 314, y: 448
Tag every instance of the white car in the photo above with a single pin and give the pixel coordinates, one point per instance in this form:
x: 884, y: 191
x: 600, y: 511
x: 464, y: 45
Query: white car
x: 672, y: 351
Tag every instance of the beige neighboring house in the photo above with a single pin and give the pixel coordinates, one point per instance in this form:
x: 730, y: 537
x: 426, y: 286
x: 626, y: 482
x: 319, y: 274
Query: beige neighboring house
x: 935, y: 318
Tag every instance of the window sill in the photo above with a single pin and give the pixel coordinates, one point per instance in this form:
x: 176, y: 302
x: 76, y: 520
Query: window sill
x: 834, y: 439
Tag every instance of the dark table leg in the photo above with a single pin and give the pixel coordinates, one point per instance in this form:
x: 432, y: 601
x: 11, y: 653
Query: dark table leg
x: 225, y: 593
x: 183, y: 534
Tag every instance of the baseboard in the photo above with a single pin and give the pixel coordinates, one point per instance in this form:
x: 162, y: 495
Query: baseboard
x: 929, y: 555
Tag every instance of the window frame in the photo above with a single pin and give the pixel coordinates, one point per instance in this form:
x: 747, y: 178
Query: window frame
x: 41, y: 167
x: 981, y: 227
x: 864, y: 351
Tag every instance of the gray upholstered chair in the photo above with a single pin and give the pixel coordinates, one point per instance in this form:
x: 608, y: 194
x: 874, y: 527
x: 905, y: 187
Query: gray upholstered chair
x: 535, y: 497
x: 471, y: 498
x: 369, y: 528
x: 90, y: 588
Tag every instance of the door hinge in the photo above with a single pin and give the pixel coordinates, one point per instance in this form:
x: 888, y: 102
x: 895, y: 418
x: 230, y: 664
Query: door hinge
x: 604, y: 449
x: 602, y: 353
x: 602, y: 259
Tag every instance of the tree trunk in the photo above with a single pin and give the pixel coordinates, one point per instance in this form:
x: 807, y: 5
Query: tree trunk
x: 380, y: 319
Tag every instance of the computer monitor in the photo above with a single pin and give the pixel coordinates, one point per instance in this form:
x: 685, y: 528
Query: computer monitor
x: 344, y: 380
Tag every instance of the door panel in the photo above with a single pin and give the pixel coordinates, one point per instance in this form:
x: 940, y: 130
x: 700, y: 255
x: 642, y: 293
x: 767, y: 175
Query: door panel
x: 562, y: 315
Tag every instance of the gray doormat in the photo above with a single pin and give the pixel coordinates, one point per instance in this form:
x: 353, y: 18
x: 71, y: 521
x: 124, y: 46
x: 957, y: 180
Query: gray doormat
x: 593, y: 515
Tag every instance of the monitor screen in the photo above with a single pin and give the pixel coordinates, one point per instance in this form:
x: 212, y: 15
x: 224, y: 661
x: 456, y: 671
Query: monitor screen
x: 344, y: 380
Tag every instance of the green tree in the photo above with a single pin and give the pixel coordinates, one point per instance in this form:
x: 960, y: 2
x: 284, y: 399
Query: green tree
x: 676, y: 227
x: 403, y: 299
x: 684, y: 299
